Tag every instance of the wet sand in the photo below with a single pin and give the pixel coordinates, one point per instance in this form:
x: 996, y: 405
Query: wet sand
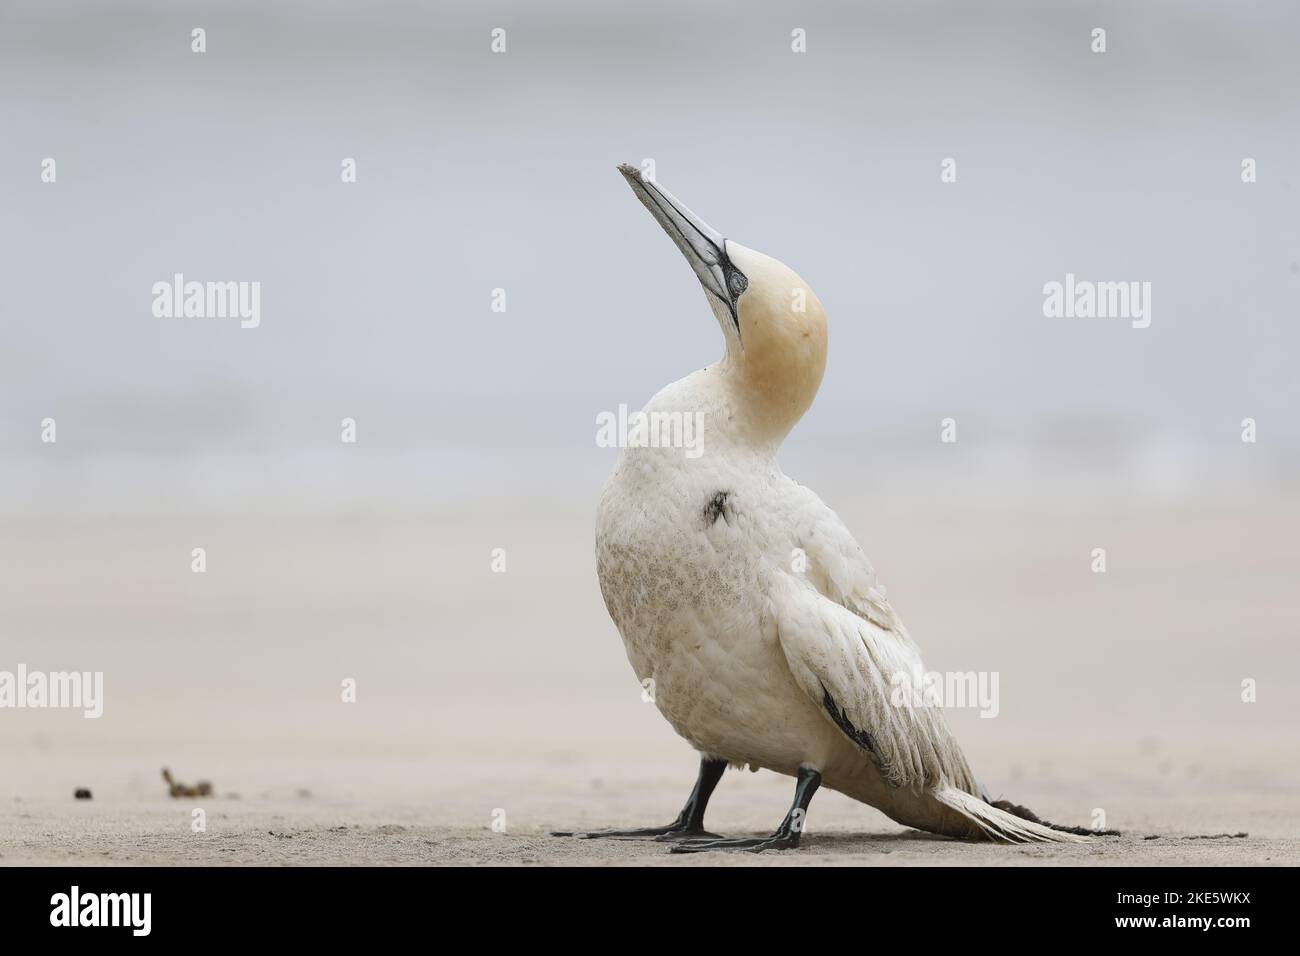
x: 483, y: 696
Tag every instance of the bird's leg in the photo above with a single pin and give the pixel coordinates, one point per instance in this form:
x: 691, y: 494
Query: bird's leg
x: 787, y: 834
x: 689, y: 823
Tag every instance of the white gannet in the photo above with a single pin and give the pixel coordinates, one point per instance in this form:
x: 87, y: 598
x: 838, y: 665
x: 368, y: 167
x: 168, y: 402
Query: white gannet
x: 746, y: 601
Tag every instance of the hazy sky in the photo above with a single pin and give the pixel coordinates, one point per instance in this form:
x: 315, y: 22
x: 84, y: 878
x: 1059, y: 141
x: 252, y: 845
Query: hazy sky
x: 479, y: 171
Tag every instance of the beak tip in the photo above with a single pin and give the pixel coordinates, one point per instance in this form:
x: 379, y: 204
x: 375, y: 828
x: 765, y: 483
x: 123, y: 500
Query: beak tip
x: 629, y: 171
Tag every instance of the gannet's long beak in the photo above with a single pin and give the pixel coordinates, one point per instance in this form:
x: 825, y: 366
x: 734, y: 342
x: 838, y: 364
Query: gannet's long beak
x: 702, y: 245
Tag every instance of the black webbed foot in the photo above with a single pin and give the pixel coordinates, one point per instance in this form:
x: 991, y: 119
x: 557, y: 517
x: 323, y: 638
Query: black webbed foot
x: 777, y: 841
x: 787, y: 834
x: 668, y: 834
x: 689, y: 824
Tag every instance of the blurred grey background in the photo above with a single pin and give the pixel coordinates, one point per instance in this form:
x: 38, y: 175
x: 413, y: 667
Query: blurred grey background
x: 479, y: 171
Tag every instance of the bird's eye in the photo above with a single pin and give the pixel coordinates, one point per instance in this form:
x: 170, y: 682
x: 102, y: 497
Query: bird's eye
x: 738, y: 283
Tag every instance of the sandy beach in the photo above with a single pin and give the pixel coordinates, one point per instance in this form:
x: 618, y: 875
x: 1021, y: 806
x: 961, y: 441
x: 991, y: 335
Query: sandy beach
x: 486, y: 698
x: 308, y: 831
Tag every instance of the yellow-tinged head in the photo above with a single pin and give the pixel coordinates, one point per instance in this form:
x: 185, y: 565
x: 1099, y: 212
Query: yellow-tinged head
x: 773, y: 322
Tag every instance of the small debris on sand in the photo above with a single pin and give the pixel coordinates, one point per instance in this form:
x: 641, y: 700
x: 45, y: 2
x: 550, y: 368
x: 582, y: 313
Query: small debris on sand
x: 1218, y: 836
x: 82, y: 793
x: 1205, y: 836
x: 201, y: 789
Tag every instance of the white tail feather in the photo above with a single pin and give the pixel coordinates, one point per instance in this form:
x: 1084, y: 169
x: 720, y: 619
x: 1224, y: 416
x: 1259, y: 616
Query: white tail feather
x: 999, y: 825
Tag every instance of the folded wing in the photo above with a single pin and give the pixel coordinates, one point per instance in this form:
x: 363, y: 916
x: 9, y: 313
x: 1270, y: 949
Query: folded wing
x: 849, y: 651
